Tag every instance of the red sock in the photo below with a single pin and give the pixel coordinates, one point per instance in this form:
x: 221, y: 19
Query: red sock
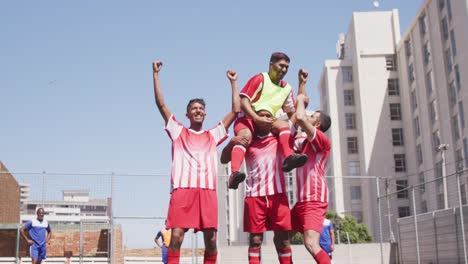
x: 210, y: 258
x: 322, y: 257
x: 237, y: 157
x: 254, y: 255
x: 173, y: 256
x: 284, y: 255
x: 283, y: 139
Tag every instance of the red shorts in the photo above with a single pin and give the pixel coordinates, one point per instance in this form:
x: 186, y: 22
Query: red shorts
x: 193, y: 208
x: 266, y: 213
x: 308, y: 216
x: 244, y: 122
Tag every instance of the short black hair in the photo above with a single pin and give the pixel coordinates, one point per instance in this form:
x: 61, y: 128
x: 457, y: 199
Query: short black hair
x: 195, y: 100
x: 277, y: 56
x: 325, y: 121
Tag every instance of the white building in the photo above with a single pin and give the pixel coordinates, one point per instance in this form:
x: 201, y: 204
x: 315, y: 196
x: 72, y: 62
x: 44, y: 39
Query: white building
x: 76, y: 206
x: 433, y: 58
x: 356, y: 91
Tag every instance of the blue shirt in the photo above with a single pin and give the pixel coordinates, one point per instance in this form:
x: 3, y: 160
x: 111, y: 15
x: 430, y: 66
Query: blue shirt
x: 38, y: 231
x: 325, y: 236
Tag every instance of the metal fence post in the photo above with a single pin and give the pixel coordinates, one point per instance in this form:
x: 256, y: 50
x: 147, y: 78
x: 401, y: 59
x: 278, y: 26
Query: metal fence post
x: 81, y: 241
x: 415, y: 225
x: 462, y: 221
x: 18, y: 237
x: 111, y: 230
x: 380, y: 218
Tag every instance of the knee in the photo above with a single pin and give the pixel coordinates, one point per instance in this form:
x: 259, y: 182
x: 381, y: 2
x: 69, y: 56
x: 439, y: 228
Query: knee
x: 210, y: 244
x: 246, y: 135
x: 312, y: 246
x: 255, y: 241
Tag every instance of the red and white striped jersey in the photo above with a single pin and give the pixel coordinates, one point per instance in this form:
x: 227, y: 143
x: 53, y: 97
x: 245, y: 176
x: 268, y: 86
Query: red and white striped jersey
x: 310, y: 178
x: 264, y: 175
x: 194, y: 155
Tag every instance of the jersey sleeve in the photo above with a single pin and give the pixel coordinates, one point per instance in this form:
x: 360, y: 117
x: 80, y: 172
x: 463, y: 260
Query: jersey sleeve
x: 289, y: 105
x: 320, y: 141
x: 219, y: 133
x: 173, y: 128
x: 27, y: 225
x: 159, y: 234
x: 253, y: 88
x: 331, y: 226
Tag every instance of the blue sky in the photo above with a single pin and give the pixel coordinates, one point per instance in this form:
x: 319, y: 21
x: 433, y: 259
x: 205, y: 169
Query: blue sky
x: 76, y: 78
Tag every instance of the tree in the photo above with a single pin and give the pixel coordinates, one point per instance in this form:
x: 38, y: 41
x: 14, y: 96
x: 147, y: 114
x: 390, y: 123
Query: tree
x: 358, y: 232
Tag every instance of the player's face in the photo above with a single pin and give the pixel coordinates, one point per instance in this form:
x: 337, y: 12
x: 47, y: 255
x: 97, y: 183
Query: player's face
x: 314, y: 119
x: 279, y: 69
x: 196, y: 113
x: 262, y: 130
x: 40, y: 215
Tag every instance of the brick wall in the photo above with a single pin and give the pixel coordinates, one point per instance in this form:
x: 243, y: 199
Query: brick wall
x: 9, y: 197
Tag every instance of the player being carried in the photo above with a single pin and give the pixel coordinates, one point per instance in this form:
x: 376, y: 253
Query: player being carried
x: 193, y: 202
x: 265, y: 91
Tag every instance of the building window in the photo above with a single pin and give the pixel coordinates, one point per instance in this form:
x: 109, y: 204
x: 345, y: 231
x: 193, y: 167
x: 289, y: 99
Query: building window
x: 422, y: 24
x: 350, y: 119
x: 354, y: 168
x: 347, y: 74
x: 465, y: 150
x: 400, y: 162
x: 438, y: 171
x: 435, y: 141
x: 461, y: 113
x: 358, y: 215
x: 419, y: 156
x: 449, y: 9
x: 407, y: 48
x: 445, y: 28
x: 395, y: 112
x: 402, y: 189
x: 390, y: 62
x: 463, y: 193
x: 433, y: 111
x: 352, y: 145
x: 403, y: 211
x: 348, y: 97
x: 441, y: 4
x: 414, y: 101
x: 440, y: 201
x: 417, y: 130
x: 422, y: 183
x: 452, y: 94
x: 459, y: 159
x: 448, y: 56
x: 454, y: 44
x: 455, y: 128
x: 356, y: 193
x: 426, y: 53
x: 457, y: 77
x: 397, y: 137
x: 429, y: 86
x: 423, y: 207
x: 393, y: 87
x: 411, y: 73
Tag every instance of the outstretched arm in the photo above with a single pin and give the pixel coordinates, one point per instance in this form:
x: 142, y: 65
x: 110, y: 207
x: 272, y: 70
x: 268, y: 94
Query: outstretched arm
x: 302, y: 118
x: 303, y: 76
x: 231, y: 116
x: 163, y: 109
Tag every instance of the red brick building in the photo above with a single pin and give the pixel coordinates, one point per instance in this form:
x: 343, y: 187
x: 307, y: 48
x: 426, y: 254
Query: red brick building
x: 9, y: 197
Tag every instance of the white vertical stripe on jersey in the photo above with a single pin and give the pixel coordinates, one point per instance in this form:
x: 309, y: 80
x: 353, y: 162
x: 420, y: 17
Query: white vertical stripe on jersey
x: 203, y: 172
x: 177, y: 169
x: 277, y: 176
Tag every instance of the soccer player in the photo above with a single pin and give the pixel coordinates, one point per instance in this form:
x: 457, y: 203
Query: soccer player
x: 266, y: 205
x: 265, y: 91
x: 312, y: 192
x: 39, y: 235
x: 165, y: 235
x: 193, y: 202
x: 327, y: 237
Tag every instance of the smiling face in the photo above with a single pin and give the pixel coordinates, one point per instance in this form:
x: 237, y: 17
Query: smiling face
x: 196, y: 113
x: 278, y: 70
